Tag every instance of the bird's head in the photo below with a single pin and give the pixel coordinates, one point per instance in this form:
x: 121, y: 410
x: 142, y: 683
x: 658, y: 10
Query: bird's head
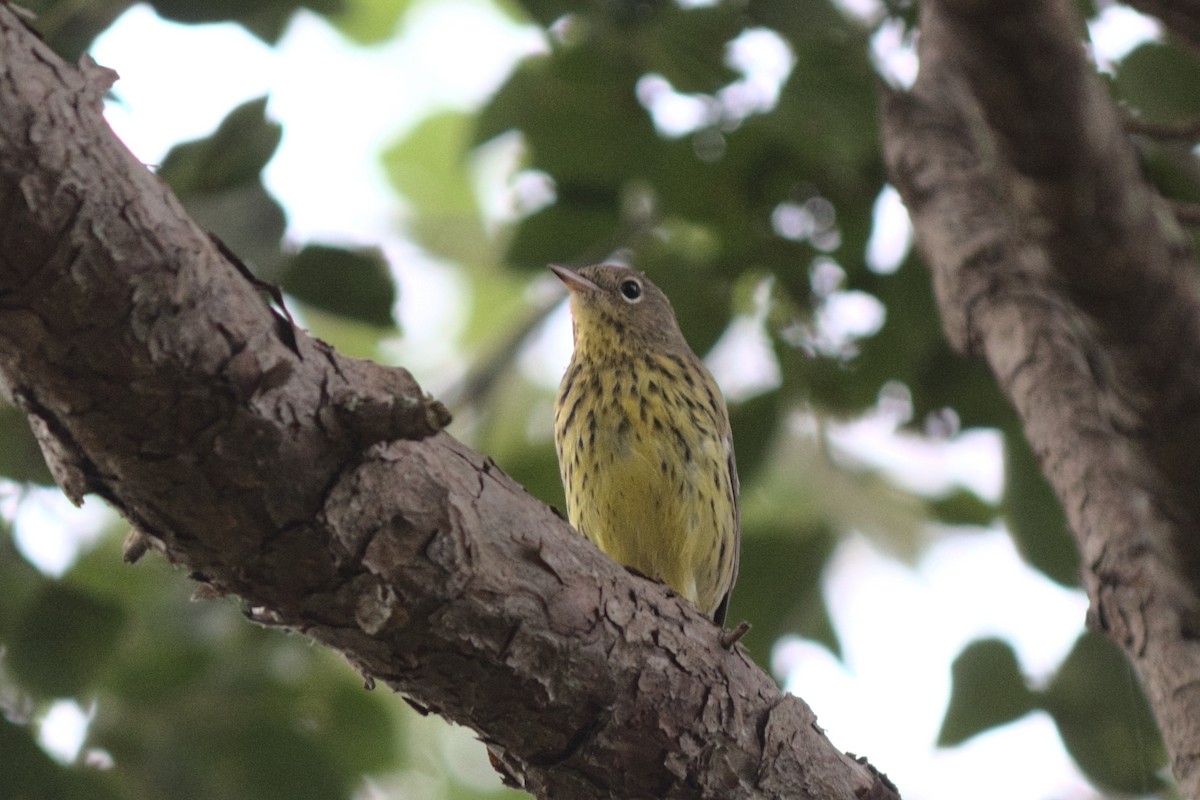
x: 611, y: 303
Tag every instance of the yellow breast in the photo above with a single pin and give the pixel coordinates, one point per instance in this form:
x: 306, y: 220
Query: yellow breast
x: 644, y: 452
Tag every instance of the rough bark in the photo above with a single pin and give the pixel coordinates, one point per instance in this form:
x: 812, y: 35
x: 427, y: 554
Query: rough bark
x: 1057, y: 263
x: 321, y: 490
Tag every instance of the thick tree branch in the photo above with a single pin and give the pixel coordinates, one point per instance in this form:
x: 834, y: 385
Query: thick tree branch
x: 1055, y: 261
x: 320, y: 490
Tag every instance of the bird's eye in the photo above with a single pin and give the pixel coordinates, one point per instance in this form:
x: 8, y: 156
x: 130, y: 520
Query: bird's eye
x: 631, y: 290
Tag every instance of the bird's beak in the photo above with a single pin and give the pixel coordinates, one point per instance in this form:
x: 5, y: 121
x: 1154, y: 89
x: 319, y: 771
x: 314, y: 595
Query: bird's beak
x: 573, y: 280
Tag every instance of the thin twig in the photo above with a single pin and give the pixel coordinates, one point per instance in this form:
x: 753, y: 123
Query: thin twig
x: 1187, y: 213
x: 1187, y: 130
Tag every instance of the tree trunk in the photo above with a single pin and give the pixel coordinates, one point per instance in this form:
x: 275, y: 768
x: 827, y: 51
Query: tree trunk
x: 1055, y: 261
x: 321, y: 490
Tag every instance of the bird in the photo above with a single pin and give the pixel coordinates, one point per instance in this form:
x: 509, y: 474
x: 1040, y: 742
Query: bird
x: 644, y: 445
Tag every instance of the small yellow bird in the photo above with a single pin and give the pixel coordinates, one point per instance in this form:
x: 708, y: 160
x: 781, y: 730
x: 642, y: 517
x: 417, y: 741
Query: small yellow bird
x: 643, y: 439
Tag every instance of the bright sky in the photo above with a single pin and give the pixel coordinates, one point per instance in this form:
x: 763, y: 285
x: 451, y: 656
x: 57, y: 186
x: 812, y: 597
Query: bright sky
x: 901, y: 626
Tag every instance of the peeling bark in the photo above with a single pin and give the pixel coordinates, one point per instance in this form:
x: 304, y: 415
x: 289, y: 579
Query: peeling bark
x: 321, y: 490
x: 1056, y: 262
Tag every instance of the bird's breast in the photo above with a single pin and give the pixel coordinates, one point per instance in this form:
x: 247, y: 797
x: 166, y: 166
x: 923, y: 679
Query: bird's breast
x: 645, y: 466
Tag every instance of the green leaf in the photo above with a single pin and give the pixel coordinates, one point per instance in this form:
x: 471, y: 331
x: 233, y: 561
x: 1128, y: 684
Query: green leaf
x: 801, y: 23
x: 703, y: 302
x: 232, y: 156
x: 352, y: 283
x: 987, y: 691
x: 200, y: 700
x: 684, y: 45
x: 63, y: 640
x: 430, y: 168
x: 687, y: 45
x: 829, y: 98
x: 429, y: 165
x: 835, y: 386
x: 1104, y: 719
x: 963, y: 507
x: 1172, y: 167
x: 21, y: 456
x: 619, y: 184
x: 510, y: 413
x: 70, y: 28
x: 266, y: 19
x: 248, y: 220
x: 370, y: 21
x: 358, y: 728
x: 1035, y: 518
x: 1159, y: 79
x: 778, y: 590
x: 578, y: 229
x: 546, y: 12
x: 755, y: 423
x: 579, y: 113
x: 275, y: 761
x: 21, y: 582
x: 946, y: 379
x: 910, y: 348
x: 218, y: 180
x: 30, y: 773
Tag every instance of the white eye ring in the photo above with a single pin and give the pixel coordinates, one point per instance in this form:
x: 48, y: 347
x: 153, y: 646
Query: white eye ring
x: 631, y: 290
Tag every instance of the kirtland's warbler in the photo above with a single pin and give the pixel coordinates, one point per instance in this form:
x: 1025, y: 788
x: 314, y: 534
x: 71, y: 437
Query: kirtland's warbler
x: 643, y: 439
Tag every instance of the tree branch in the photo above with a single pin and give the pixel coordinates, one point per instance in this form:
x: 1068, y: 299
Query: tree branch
x: 320, y: 489
x: 1057, y: 263
x: 1187, y: 130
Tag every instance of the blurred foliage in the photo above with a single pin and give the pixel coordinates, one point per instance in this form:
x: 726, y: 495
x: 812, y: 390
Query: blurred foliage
x: 761, y: 210
x: 70, y: 26
x: 1102, y: 716
x: 1159, y: 80
x: 987, y: 691
x: 370, y: 21
x: 1035, y: 519
x: 21, y: 456
x: 63, y: 639
x: 218, y: 180
x: 427, y: 168
x: 354, y: 284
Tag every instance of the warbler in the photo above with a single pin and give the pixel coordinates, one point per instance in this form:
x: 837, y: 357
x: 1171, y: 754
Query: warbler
x: 643, y: 439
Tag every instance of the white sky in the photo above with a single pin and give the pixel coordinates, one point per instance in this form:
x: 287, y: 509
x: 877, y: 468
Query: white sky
x: 900, y: 626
